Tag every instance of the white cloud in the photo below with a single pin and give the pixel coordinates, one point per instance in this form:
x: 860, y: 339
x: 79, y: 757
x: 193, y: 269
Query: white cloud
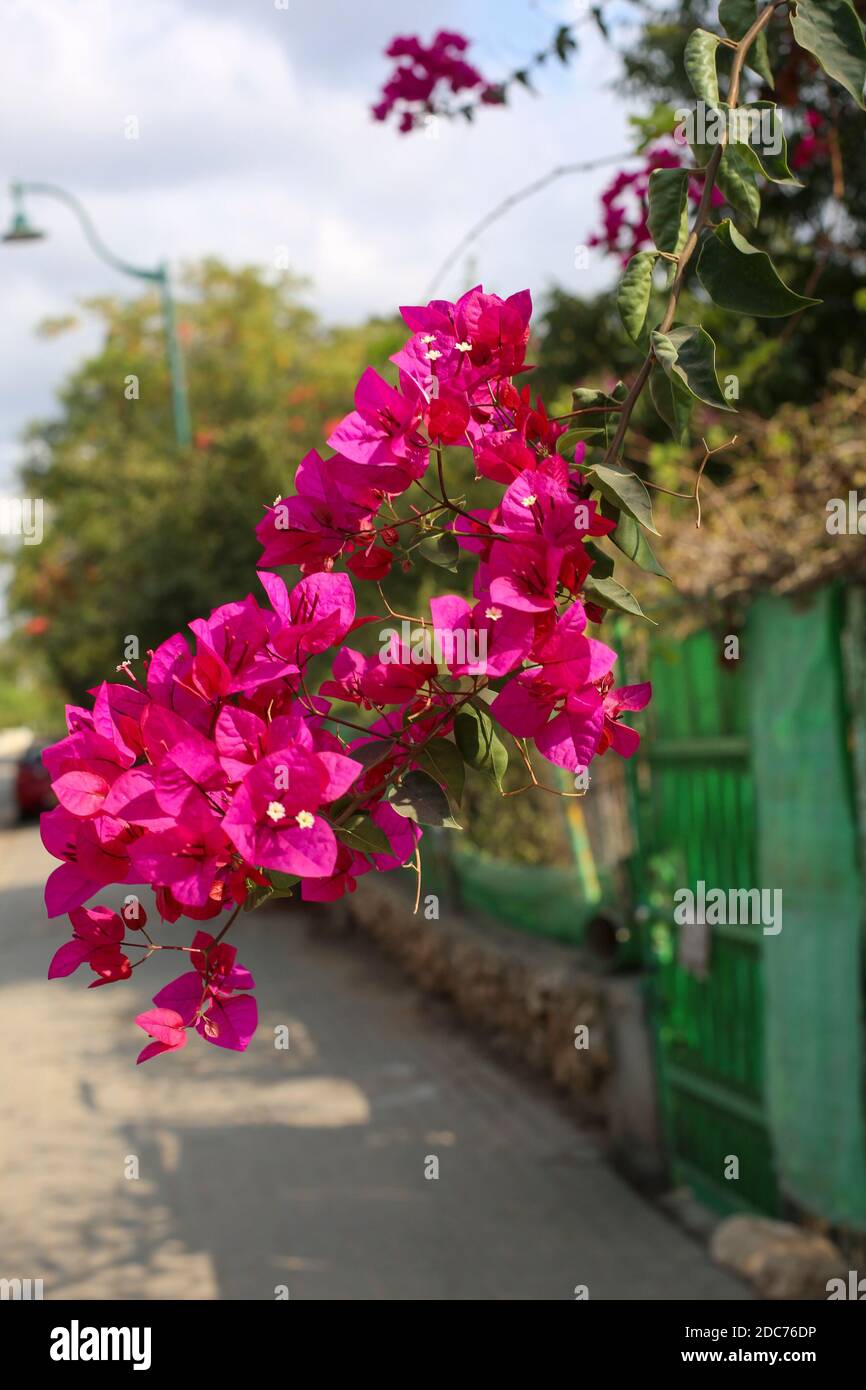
x: 255, y: 133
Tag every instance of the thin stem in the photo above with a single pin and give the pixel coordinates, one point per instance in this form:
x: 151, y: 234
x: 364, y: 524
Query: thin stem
x: 702, y: 219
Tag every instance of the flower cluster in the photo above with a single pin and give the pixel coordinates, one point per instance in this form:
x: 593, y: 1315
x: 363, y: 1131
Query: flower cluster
x: 218, y: 776
x: 814, y: 144
x: 421, y: 71
x: 624, y: 203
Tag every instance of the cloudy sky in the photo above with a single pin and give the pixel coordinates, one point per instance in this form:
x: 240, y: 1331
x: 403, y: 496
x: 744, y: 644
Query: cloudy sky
x: 255, y: 134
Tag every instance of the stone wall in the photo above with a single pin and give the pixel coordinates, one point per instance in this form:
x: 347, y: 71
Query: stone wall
x: 529, y: 996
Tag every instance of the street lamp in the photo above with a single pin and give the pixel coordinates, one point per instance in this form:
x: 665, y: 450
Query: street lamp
x: 21, y: 229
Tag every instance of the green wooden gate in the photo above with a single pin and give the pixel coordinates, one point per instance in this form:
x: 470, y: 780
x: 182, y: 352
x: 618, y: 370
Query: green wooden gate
x: 696, y: 811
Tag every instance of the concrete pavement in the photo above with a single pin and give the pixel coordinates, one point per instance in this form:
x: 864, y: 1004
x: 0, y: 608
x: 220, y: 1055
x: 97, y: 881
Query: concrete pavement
x: 303, y: 1170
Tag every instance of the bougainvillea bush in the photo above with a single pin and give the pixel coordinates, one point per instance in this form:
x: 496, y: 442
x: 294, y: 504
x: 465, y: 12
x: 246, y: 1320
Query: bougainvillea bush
x: 222, y: 772
x: 218, y: 777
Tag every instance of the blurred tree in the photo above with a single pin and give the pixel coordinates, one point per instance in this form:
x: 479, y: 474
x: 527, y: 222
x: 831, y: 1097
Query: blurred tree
x: 140, y: 537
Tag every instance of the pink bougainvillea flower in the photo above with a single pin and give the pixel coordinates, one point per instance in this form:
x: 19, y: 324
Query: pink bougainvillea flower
x: 314, y: 616
x: 96, y: 938
x: 191, y: 784
x: 538, y: 506
x: 570, y: 666
x: 94, y: 853
x: 503, y: 457
x: 234, y: 652
x: 522, y: 576
x: 348, y: 868
x: 225, y: 763
x: 83, y: 767
x: 383, y: 432
x: 615, y: 735
x: 419, y: 70
x: 371, y: 680
x: 204, y: 998
x: 571, y: 738
x: 273, y: 819
x: 373, y: 562
x: 117, y: 713
x: 481, y: 640
x: 167, y: 1029
x: 311, y: 528
x: 185, y: 859
x: 448, y: 417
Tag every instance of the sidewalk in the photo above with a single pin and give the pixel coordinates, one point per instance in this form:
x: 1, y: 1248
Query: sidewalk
x: 306, y: 1167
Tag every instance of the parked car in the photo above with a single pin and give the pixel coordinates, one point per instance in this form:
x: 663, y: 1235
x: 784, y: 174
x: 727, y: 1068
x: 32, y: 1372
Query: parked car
x: 32, y: 784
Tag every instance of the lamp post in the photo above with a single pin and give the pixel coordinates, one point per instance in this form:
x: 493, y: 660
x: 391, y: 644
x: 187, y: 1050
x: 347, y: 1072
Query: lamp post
x: 22, y: 230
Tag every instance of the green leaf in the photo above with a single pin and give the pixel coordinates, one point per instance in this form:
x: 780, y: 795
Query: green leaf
x: 610, y: 594
x: 633, y: 294
x: 478, y: 741
x: 737, y: 18
x: 736, y: 179
x: 419, y: 797
x: 368, y: 754
x: 689, y: 353
x: 655, y: 126
x: 602, y: 562
x: 282, y: 883
x: 700, y: 61
x: 668, y: 216
x: 625, y: 490
x: 360, y: 833
x: 444, y: 761
x: 759, y: 127
x: 630, y: 539
x: 832, y: 30
x: 604, y: 422
x: 739, y: 277
x: 441, y: 550
x: 673, y: 402
x: 257, y: 893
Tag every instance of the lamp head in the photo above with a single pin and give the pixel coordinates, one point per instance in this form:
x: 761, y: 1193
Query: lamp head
x: 20, y: 229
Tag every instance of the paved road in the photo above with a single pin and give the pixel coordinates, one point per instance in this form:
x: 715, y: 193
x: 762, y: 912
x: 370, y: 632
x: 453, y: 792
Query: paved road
x: 302, y: 1168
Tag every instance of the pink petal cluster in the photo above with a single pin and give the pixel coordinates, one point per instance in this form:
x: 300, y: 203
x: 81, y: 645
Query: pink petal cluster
x: 455, y: 385
x: 420, y: 72
x: 223, y: 770
x: 624, y: 203
x: 206, y: 999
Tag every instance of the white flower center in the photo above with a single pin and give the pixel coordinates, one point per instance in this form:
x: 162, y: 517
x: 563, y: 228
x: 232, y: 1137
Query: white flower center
x: 463, y: 347
x: 305, y: 819
x: 529, y: 501
x: 494, y: 614
x: 433, y: 354
x: 276, y: 811
x: 428, y: 338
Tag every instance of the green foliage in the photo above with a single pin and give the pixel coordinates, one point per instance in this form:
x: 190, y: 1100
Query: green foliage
x: 420, y: 798
x: 141, y: 537
x: 740, y: 277
x: 479, y: 742
x: 634, y: 292
x: 668, y: 216
x: 832, y: 30
x: 689, y: 354
x: 736, y: 18
x: 680, y: 361
x: 700, y: 65
x: 625, y: 490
